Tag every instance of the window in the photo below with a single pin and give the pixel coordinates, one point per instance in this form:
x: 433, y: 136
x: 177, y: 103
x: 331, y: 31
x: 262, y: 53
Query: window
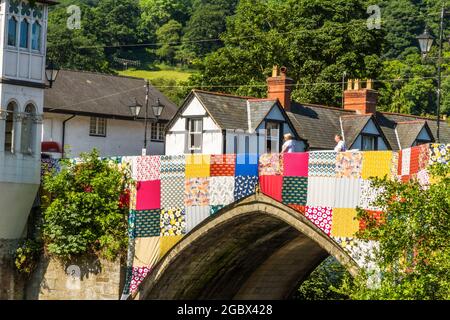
x: 36, y: 36
x: 369, y: 142
x: 12, y: 31
x: 24, y: 30
x: 158, y: 131
x: 28, y: 129
x: 97, y: 127
x: 9, y: 127
x: 195, y: 130
x: 273, y: 136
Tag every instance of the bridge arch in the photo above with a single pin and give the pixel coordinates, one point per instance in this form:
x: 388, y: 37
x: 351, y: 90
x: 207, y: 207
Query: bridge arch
x: 256, y: 248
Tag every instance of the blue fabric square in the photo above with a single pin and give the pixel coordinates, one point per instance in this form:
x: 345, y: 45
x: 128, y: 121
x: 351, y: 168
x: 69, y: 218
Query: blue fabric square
x: 244, y: 186
x: 246, y: 164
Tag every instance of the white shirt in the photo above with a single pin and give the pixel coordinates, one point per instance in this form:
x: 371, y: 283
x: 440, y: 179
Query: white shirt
x: 340, y: 147
x: 289, y: 146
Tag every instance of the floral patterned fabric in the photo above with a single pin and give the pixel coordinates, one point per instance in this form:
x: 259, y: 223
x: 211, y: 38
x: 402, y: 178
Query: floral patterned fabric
x: 424, y: 156
x: 368, y: 195
x: 271, y: 164
x: 173, y: 222
x: 148, y: 168
x: 440, y: 153
x: 196, y: 192
x: 406, y: 161
x: 349, y: 164
x: 138, y: 275
x: 221, y: 190
x: 321, y: 217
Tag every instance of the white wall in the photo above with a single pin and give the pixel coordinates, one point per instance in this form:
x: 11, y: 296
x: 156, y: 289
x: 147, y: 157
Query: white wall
x: 123, y: 137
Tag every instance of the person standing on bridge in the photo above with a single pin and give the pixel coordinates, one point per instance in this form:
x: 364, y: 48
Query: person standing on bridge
x: 340, y: 147
x: 289, y: 145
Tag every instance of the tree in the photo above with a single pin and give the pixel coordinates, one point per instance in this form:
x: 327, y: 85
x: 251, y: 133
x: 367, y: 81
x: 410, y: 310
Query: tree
x: 86, y: 209
x: 414, y: 252
x: 168, y: 37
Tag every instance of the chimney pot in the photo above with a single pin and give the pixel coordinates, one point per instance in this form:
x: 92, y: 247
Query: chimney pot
x: 280, y: 87
x: 356, y: 84
x: 275, y: 71
x: 361, y: 100
x: 350, y: 85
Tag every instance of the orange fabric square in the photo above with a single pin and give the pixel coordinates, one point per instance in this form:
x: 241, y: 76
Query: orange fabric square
x: 223, y: 165
x: 300, y: 209
x: 414, y: 162
x: 374, y: 216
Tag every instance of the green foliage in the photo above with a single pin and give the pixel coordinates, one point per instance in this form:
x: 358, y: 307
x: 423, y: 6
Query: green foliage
x: 84, y: 214
x: 168, y: 36
x: 323, y: 282
x: 27, y: 256
x: 414, y: 252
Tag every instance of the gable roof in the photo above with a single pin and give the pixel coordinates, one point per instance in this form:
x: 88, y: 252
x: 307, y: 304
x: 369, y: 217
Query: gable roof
x: 88, y: 93
x: 352, y: 125
x: 259, y: 109
x: 407, y: 132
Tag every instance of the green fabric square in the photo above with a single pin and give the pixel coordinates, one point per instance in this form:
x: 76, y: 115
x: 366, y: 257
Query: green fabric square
x: 147, y: 223
x: 214, y: 209
x: 295, y: 190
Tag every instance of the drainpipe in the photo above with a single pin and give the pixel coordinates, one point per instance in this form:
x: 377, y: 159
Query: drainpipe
x: 64, y: 133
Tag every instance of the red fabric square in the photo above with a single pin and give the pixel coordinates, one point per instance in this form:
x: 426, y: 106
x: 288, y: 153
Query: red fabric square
x: 148, y: 195
x: 296, y: 164
x: 374, y: 216
x: 222, y: 165
x: 414, y: 162
x: 298, y: 208
x: 399, y: 167
x: 272, y: 186
x: 405, y: 178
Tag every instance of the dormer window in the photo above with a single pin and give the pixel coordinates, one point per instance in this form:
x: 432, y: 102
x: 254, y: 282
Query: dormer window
x: 24, y: 31
x: 36, y: 36
x: 369, y: 142
x: 12, y: 31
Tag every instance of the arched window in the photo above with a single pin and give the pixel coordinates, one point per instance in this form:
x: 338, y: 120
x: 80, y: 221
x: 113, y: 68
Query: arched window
x: 36, y: 36
x: 28, y: 130
x: 24, y: 31
x: 12, y: 31
x: 9, y: 127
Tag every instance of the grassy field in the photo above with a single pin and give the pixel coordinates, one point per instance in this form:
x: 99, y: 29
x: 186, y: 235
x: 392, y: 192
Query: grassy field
x: 163, y: 72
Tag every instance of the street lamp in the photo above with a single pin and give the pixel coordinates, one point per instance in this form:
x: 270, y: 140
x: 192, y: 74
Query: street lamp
x: 51, y: 72
x: 135, y: 109
x: 158, y: 109
x: 425, y: 42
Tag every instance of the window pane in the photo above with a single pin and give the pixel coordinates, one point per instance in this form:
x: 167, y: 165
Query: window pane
x: 24, y: 26
x: 93, y: 126
x: 162, y: 128
x: 368, y: 143
x: 154, y: 131
x: 12, y: 31
x: 36, y: 36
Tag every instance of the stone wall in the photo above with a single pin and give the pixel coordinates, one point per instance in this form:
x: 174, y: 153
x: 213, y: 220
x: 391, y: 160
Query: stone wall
x: 11, y: 283
x: 81, y: 279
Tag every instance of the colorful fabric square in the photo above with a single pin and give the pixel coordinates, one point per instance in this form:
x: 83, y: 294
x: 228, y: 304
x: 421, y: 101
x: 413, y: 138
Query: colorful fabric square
x: 196, y: 192
x: 148, y: 195
x: 246, y: 165
x: 439, y: 153
x: 214, y: 209
x: 272, y: 186
x: 376, y: 164
x: 298, y: 208
x: 244, y: 186
x: 173, y: 166
x: 195, y: 216
x: 198, y: 166
x: 423, y: 178
x: 394, y: 166
x: 406, y: 161
x: 223, y: 165
x: 424, y: 156
x: 414, y: 160
x: 146, y: 253
x: 147, y: 223
x: 321, y: 191
x: 296, y: 164
x: 349, y: 164
x: 172, y: 192
x: 375, y: 218
x: 138, y: 275
x: 321, y: 217
x: 344, y: 223
x: 271, y: 164
x: 132, y: 224
x: 347, y: 192
x: 127, y: 285
x: 167, y: 243
x: 322, y: 164
x: 221, y: 190
x: 148, y: 168
x: 369, y: 195
x: 173, y: 222
x: 360, y: 251
x: 399, y: 166
x: 133, y: 196
x: 295, y: 190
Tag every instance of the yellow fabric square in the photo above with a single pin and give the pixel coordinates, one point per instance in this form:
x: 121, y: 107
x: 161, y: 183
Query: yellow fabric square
x: 198, y: 166
x: 376, y: 164
x: 344, y: 223
x: 168, y: 243
x: 146, y: 251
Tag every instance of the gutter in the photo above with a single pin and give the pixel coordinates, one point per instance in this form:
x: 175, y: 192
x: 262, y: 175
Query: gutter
x: 64, y: 134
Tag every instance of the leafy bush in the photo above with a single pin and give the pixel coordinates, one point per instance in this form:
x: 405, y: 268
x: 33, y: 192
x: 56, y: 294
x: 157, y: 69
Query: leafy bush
x: 27, y: 256
x: 86, y: 211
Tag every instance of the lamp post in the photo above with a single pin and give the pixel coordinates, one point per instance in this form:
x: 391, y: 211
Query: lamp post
x: 157, y: 111
x: 51, y: 72
x: 425, y: 43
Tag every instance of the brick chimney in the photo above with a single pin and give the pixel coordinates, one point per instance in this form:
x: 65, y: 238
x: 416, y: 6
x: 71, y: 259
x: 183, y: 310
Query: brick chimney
x: 361, y: 100
x: 280, y: 87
